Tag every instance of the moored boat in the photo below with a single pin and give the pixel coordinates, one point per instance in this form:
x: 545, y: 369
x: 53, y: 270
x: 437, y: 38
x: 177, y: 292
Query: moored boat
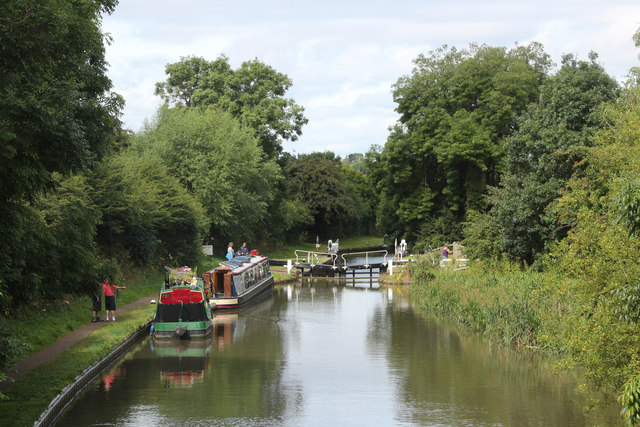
x: 183, y: 307
x: 238, y: 282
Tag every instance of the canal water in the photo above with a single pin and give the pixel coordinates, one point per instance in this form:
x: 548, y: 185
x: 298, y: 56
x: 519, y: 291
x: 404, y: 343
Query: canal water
x: 322, y: 352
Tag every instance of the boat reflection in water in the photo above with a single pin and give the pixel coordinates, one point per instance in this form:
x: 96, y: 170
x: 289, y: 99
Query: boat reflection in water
x: 182, y: 363
x: 108, y: 379
x: 230, y: 326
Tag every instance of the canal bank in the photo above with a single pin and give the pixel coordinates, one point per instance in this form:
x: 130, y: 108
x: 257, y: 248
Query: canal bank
x: 528, y: 310
x: 57, y: 367
x: 66, y: 366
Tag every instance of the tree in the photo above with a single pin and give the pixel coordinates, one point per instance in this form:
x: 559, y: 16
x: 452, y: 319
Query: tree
x: 321, y: 183
x: 57, y: 113
x: 254, y: 94
x: 358, y: 188
x: 147, y: 215
x: 544, y: 149
x: 447, y: 147
x: 602, y: 253
x: 219, y: 162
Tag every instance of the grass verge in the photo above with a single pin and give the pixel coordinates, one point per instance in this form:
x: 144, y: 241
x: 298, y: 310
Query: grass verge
x: 31, y: 395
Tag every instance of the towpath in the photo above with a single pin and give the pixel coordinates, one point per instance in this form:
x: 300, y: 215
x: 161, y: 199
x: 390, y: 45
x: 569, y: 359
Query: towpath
x: 36, y: 359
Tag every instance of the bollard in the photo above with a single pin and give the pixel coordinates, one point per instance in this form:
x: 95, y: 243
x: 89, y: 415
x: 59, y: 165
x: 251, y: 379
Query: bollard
x: 289, y: 266
x: 390, y: 267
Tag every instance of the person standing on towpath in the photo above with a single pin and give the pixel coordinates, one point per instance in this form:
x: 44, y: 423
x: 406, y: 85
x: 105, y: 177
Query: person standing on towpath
x: 109, y: 298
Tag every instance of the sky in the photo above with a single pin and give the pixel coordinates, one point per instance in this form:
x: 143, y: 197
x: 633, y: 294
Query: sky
x: 343, y: 57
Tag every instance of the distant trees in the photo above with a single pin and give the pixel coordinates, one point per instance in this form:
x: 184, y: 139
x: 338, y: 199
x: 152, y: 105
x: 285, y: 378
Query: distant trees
x: 448, y: 145
x: 321, y: 186
x: 253, y: 94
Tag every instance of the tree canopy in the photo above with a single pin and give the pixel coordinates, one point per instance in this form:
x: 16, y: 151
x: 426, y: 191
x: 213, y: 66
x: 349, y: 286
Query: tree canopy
x: 57, y: 114
x: 56, y: 109
x: 544, y: 149
x: 455, y: 109
x: 254, y: 94
x: 322, y: 187
x: 219, y: 161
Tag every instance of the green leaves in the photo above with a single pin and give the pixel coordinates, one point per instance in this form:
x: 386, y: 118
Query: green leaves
x: 218, y: 161
x: 145, y: 210
x: 322, y: 187
x: 630, y: 401
x: 56, y: 111
x: 455, y: 110
x: 627, y: 207
x: 254, y: 94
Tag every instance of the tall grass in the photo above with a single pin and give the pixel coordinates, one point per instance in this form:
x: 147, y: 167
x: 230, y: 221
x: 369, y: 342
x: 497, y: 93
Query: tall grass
x: 505, y: 305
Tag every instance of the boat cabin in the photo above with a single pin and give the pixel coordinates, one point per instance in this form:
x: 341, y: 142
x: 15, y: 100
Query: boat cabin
x: 181, y: 303
x: 218, y: 281
x: 236, y: 276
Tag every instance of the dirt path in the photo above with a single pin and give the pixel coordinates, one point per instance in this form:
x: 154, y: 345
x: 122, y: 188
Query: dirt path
x: 25, y: 366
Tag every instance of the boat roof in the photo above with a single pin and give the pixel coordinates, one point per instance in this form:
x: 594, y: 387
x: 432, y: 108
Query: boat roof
x: 181, y: 294
x: 241, y: 263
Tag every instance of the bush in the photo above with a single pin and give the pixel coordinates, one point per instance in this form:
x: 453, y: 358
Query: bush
x: 11, y: 350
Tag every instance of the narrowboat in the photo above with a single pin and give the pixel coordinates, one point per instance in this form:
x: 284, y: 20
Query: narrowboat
x: 238, y: 282
x: 183, y: 307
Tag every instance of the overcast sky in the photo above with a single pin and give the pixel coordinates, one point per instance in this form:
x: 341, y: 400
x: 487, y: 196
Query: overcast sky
x: 344, y: 56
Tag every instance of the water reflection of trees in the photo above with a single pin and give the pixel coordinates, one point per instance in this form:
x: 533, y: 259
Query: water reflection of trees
x: 445, y: 376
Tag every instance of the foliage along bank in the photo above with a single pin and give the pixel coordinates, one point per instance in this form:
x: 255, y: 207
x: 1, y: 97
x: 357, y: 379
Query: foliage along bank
x: 584, y: 300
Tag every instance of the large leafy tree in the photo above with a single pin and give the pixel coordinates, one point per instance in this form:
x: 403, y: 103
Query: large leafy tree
x: 56, y: 109
x: 602, y: 253
x: 220, y: 162
x: 455, y: 110
x: 146, y: 214
x: 254, y: 94
x: 544, y: 149
x: 57, y: 113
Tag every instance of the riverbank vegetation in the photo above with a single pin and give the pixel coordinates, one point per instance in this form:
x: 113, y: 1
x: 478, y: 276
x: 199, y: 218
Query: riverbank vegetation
x: 533, y: 165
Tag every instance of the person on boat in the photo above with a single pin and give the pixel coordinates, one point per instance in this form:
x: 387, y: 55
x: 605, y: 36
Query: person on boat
x: 97, y: 306
x: 230, y: 251
x: 446, y: 252
x: 254, y: 252
x: 244, y: 250
x: 109, y: 298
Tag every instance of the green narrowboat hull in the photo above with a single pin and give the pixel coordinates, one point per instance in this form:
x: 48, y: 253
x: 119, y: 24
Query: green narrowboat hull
x: 201, y: 329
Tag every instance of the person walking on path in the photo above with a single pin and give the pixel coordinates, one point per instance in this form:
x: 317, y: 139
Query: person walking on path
x: 109, y: 298
x: 36, y: 359
x: 317, y: 243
